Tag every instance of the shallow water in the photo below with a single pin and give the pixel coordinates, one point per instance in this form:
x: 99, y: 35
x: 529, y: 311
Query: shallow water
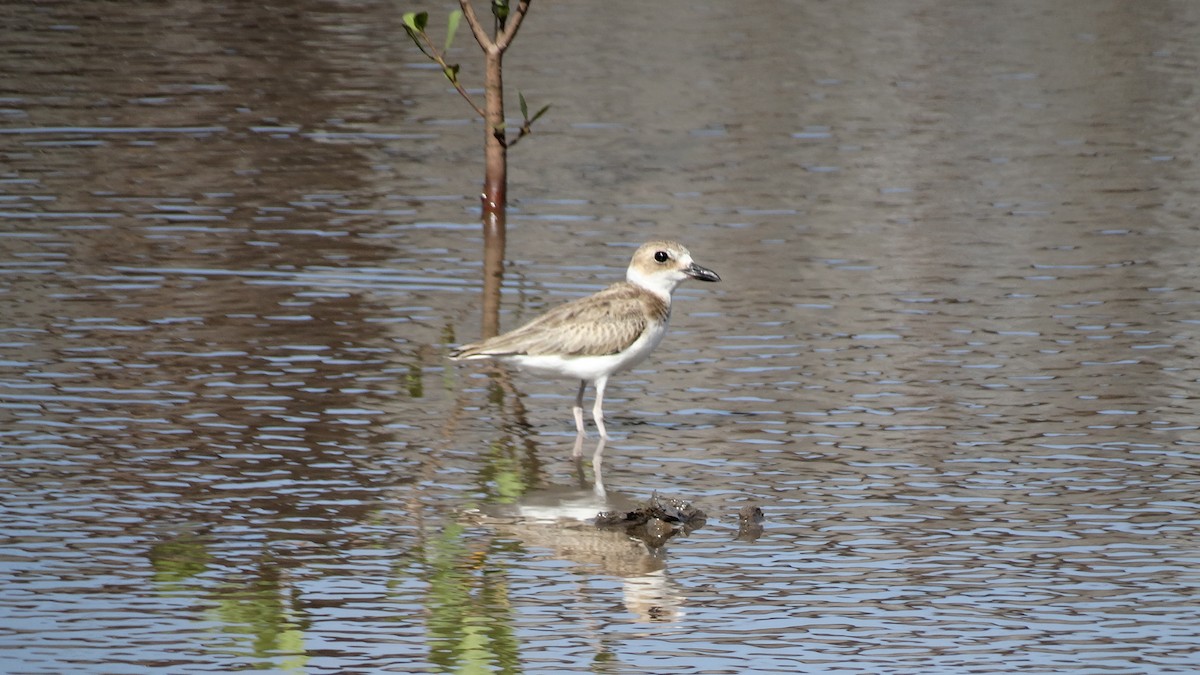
x: 952, y: 355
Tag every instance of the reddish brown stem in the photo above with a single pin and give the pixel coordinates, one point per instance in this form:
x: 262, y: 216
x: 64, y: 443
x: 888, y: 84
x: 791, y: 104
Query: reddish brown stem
x: 494, y: 199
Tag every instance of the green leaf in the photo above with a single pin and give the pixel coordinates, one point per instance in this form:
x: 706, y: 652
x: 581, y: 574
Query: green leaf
x: 452, y: 26
x: 416, y: 38
x: 524, y: 106
x: 540, y: 113
x: 500, y: 9
x: 415, y: 21
x: 451, y: 73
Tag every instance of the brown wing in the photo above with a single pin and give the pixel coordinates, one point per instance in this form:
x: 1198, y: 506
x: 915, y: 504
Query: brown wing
x: 604, y: 323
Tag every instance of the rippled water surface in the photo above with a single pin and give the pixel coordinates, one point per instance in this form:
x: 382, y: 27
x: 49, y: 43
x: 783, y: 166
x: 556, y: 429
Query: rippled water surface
x: 952, y: 357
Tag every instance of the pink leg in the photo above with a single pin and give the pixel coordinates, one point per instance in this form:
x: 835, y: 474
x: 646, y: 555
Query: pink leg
x: 577, y: 411
x: 598, y: 409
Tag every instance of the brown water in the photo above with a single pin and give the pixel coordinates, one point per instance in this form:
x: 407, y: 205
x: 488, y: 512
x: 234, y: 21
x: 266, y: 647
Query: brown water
x: 953, y: 356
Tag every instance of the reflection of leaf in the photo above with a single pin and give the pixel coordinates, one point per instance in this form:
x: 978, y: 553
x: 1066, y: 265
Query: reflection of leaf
x: 510, y: 486
x: 504, y: 471
x: 416, y: 384
x: 292, y: 642
x: 254, y: 617
x: 470, y: 612
x: 175, y: 561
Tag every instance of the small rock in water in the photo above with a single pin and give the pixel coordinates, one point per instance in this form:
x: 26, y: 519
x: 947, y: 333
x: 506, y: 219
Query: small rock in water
x: 750, y: 523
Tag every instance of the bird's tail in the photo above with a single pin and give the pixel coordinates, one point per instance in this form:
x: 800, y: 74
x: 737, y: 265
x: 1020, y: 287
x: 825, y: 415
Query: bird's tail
x: 464, y: 352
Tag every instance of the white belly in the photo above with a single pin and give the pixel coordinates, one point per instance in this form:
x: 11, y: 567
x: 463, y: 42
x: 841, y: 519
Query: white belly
x: 591, y: 367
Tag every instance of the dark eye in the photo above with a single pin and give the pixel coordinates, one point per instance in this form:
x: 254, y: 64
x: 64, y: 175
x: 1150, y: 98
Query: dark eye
x: 662, y: 256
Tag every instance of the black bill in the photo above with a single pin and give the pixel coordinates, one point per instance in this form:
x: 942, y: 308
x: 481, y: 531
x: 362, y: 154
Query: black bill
x: 702, y: 273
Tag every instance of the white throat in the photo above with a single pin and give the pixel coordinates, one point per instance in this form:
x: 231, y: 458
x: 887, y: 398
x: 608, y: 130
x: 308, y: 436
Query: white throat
x: 662, y: 283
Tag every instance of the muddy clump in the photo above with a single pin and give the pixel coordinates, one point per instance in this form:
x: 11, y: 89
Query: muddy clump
x: 655, y: 521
